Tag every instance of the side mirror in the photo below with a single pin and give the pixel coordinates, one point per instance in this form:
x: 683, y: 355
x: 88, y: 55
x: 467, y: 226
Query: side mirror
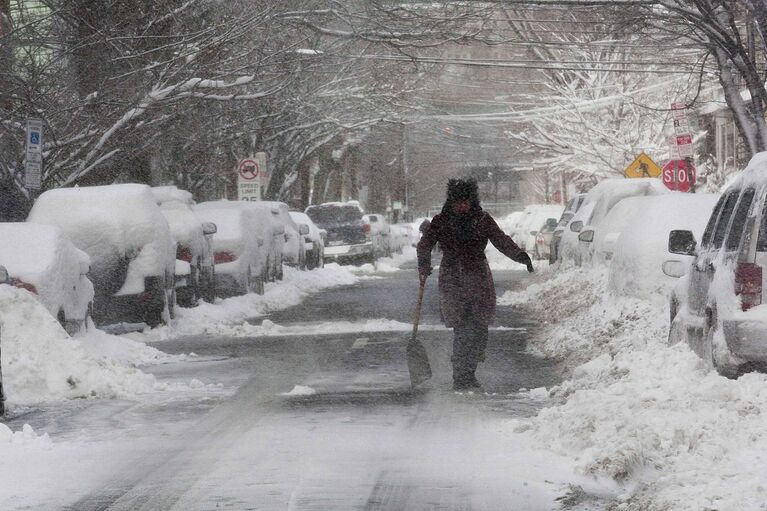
x: 303, y: 229
x: 681, y: 243
x: 533, y: 233
x: 674, y: 269
x: 587, y: 236
x: 576, y: 226
x: 323, y: 234
x: 209, y: 228
x: 4, y: 277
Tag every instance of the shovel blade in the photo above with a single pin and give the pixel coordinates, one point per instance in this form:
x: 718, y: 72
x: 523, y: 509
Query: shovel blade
x: 417, y: 363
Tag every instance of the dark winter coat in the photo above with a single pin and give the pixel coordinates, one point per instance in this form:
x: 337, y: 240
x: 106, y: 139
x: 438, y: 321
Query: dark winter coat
x: 465, y: 282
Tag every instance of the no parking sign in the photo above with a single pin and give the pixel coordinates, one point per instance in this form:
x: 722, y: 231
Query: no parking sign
x: 252, y: 177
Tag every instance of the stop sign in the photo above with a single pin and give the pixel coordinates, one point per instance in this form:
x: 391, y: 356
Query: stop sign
x: 679, y: 175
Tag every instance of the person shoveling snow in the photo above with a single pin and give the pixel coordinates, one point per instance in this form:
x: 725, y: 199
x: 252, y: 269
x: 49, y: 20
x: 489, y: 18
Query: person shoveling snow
x: 466, y: 289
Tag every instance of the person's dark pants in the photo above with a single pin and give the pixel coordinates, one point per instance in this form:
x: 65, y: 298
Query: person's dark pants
x: 469, y: 344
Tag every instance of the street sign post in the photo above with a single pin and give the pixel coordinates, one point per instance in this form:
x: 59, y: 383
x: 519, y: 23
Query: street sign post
x: 248, y: 182
x: 642, y: 166
x: 680, y: 144
x: 679, y: 175
x: 263, y: 170
x: 33, y: 162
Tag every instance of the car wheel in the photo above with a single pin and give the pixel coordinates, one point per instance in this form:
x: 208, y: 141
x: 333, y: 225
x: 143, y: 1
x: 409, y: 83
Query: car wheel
x: 712, y: 328
x: 154, y: 309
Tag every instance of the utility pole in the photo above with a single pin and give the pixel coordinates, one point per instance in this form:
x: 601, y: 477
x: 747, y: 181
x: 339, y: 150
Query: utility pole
x: 406, y: 173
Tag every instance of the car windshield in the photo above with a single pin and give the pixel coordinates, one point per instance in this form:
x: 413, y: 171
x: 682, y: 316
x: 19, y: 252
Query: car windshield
x: 323, y: 215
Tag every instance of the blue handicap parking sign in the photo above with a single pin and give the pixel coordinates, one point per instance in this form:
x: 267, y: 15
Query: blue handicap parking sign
x: 34, y: 137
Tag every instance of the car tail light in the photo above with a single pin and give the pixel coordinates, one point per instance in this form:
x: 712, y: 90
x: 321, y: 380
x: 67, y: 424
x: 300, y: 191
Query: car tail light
x: 184, y: 253
x: 748, y: 284
x: 224, y: 257
x: 24, y: 285
x: 366, y: 228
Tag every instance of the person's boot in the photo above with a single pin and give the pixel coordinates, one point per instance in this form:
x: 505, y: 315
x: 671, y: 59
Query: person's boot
x: 461, y: 380
x: 472, y: 382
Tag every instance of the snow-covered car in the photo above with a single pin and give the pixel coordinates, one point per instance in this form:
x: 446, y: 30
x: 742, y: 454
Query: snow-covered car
x: 720, y: 309
x: 131, y: 251
x: 415, y: 227
x: 598, y: 203
x: 270, y: 228
x: 533, y: 218
x: 380, y: 233
x: 40, y: 259
x: 402, y: 236
x: 509, y: 223
x: 314, y: 240
x: 641, y: 265
x: 573, y: 206
x: 294, y: 249
x: 348, y: 238
x: 195, y: 269
x: 240, y: 250
x: 543, y: 239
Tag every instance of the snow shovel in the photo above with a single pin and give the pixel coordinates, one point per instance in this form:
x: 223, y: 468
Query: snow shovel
x: 417, y: 361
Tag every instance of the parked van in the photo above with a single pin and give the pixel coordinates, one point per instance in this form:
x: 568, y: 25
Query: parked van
x: 717, y: 308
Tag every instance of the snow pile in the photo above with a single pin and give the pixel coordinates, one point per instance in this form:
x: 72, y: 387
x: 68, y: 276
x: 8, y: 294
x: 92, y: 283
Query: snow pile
x: 25, y: 439
x: 221, y: 317
x: 127, y: 352
x: 300, y: 390
x: 386, y: 264
x: 653, y: 417
x: 41, y: 362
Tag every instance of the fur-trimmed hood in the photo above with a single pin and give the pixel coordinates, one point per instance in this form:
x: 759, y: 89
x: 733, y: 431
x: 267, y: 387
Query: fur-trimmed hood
x: 462, y: 189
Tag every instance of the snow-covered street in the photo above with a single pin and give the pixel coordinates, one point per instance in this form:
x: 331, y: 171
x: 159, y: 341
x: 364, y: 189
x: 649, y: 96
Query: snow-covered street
x: 318, y: 415
x: 382, y: 255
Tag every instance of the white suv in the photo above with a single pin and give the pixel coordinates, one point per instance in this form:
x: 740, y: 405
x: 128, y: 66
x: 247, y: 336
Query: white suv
x: 717, y: 307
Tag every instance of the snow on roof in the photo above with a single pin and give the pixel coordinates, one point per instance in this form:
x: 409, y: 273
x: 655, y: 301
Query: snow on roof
x: 642, y: 247
x: 103, y: 220
x: 609, y: 192
x: 185, y: 227
x: 351, y: 203
x: 165, y: 194
x: 754, y: 174
x: 28, y: 248
x: 229, y: 218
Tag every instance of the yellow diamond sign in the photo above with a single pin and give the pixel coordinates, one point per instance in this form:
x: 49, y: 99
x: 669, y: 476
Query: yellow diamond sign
x: 643, y: 166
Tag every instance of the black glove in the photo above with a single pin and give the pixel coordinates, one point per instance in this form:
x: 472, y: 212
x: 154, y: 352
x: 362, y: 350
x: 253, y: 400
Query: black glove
x: 525, y: 259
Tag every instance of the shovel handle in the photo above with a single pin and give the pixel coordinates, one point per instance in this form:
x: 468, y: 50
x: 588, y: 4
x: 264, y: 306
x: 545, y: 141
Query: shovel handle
x: 418, y: 309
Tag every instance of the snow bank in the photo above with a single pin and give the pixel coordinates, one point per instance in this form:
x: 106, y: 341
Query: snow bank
x: 386, y: 264
x: 40, y: 362
x: 127, y: 352
x: 221, y: 317
x: 653, y: 417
